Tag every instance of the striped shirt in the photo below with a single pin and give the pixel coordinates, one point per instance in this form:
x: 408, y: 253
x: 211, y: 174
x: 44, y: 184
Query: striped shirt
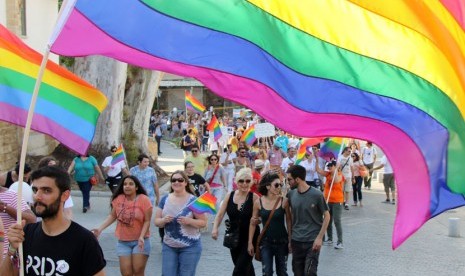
x: 10, y: 198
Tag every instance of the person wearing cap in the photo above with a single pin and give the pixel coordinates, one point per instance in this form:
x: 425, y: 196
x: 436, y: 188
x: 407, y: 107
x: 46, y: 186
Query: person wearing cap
x: 264, y: 157
x: 257, y: 175
x: 10, y: 177
x: 334, y: 195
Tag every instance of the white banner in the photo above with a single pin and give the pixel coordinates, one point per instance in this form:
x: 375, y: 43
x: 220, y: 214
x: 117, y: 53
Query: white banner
x: 264, y: 130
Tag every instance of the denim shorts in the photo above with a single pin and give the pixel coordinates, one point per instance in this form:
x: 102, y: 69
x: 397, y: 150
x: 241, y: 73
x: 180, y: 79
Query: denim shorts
x: 128, y: 248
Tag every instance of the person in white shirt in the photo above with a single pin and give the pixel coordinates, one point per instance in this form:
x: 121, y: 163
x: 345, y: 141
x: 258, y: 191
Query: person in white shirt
x: 226, y: 160
x: 368, y: 159
x: 114, y: 172
x: 346, y: 164
x: 388, y: 180
x: 309, y: 164
x: 289, y: 160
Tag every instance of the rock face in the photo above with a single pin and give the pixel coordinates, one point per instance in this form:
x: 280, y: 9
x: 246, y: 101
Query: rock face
x: 9, y: 146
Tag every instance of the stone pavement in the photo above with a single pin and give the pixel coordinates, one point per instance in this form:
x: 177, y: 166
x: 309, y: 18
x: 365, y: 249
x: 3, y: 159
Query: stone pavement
x: 367, y: 239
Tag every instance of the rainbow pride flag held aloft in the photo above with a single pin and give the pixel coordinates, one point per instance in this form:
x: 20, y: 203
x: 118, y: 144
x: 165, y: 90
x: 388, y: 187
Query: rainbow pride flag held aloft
x: 193, y: 104
x: 119, y: 155
x: 306, y: 147
x: 386, y: 71
x: 331, y: 148
x: 204, y: 204
x: 249, y: 135
x: 214, y: 126
x: 67, y: 108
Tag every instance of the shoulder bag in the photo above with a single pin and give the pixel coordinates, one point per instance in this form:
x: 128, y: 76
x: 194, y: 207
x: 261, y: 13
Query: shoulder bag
x: 231, y: 237
x: 258, y: 255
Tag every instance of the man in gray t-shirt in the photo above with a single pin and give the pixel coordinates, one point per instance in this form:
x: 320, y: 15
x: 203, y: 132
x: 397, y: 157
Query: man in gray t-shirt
x: 310, y: 218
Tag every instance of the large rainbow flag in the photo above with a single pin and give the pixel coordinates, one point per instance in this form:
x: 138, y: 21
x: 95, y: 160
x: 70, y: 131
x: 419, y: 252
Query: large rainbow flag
x: 192, y: 103
x: 67, y: 107
x: 392, y: 72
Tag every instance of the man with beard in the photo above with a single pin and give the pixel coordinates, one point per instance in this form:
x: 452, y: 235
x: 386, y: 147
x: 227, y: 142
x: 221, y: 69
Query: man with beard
x: 43, y: 242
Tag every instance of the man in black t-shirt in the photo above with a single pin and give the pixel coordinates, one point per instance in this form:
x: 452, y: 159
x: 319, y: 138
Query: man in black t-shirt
x: 56, y: 245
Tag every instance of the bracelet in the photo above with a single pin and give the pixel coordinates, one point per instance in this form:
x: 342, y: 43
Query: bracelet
x: 12, y: 251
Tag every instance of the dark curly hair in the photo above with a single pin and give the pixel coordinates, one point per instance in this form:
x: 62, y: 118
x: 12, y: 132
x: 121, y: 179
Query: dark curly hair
x: 266, y: 180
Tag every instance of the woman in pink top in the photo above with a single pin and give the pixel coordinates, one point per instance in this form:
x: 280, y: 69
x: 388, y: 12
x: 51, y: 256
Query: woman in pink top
x: 132, y: 209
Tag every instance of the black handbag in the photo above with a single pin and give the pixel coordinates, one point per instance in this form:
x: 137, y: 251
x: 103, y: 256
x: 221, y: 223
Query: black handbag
x: 231, y: 237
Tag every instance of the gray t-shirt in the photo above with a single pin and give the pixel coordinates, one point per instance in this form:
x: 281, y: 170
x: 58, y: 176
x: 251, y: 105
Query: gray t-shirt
x: 307, y: 213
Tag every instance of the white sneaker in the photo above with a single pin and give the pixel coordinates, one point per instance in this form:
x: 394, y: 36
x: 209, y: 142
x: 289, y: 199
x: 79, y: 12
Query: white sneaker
x: 328, y: 242
x: 339, y: 245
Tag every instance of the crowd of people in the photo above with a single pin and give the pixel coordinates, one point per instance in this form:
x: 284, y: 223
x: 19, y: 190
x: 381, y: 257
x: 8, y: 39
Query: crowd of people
x: 265, y: 194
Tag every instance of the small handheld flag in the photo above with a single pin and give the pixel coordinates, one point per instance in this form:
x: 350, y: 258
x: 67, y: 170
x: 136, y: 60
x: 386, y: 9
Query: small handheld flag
x: 331, y: 148
x: 118, y: 156
x: 193, y: 104
x: 249, y: 136
x: 204, y: 204
x: 214, y: 126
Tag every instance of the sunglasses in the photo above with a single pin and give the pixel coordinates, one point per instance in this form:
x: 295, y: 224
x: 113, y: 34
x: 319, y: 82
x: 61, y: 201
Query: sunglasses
x: 278, y: 185
x: 242, y: 152
x: 213, y: 159
x: 113, y: 151
x: 246, y: 181
x: 194, y: 150
x: 180, y: 180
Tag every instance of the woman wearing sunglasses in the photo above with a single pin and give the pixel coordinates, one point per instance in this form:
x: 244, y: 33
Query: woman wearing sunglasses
x: 275, y: 242
x: 238, y: 205
x: 181, y: 243
x: 215, y: 176
x: 132, y: 209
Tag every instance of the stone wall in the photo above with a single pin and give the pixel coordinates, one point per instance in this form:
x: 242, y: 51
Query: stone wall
x: 9, y: 148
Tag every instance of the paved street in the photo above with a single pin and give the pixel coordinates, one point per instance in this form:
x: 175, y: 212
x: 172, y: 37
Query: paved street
x: 367, y: 239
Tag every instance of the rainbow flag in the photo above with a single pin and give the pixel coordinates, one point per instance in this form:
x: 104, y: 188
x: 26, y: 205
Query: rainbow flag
x: 119, y: 155
x: 204, y: 204
x: 249, y: 136
x: 395, y: 73
x: 67, y: 108
x: 305, y: 146
x: 193, y: 104
x: 331, y: 148
x: 214, y: 126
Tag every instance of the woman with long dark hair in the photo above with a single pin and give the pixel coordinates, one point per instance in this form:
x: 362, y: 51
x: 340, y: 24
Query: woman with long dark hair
x: 357, y: 185
x: 132, y: 209
x: 275, y: 242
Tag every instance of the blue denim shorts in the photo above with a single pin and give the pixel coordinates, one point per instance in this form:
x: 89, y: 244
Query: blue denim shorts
x: 128, y: 248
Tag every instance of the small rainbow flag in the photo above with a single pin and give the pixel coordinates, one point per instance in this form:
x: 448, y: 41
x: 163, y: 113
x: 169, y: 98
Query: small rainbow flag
x: 214, y: 126
x: 67, y: 107
x: 204, y: 204
x: 249, y: 135
x: 306, y: 147
x: 118, y: 156
x: 331, y: 148
x: 193, y: 104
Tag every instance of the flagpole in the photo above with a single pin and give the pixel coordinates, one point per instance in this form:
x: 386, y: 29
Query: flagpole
x: 27, y: 130
x: 335, y: 171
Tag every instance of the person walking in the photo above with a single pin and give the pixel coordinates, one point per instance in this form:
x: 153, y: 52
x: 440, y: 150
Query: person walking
x: 147, y: 177
x: 132, y: 209
x: 84, y: 167
x: 310, y: 219
x: 368, y: 155
x: 275, y: 242
x: 181, y: 244
x: 199, y: 160
x: 346, y: 164
x: 196, y: 180
x: 10, y: 177
x: 114, y: 172
x: 215, y: 176
x: 226, y: 160
x: 334, y: 195
x: 56, y: 245
x: 238, y: 205
x: 357, y: 185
